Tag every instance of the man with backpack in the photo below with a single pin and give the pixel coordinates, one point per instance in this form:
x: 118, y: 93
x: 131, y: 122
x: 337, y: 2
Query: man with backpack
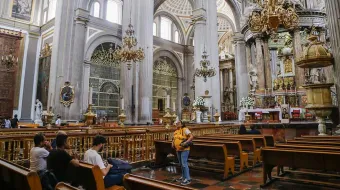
x: 91, y: 156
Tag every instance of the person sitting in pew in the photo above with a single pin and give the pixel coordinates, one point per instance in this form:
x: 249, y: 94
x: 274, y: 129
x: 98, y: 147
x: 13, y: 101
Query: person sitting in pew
x: 54, y: 143
x: 58, y: 160
x: 254, y: 131
x: 182, y: 138
x: 242, y: 130
x: 39, y: 153
x: 92, y: 157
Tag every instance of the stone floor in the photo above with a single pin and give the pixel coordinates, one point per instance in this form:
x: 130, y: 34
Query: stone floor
x: 249, y: 180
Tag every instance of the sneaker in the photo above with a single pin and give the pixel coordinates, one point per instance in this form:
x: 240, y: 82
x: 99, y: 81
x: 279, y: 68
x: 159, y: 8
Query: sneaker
x: 186, y: 182
x: 179, y: 179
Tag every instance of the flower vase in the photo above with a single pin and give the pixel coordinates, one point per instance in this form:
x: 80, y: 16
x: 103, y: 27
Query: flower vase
x: 198, y: 116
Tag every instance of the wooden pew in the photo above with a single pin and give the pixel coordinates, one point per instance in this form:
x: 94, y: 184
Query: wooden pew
x: 317, y: 139
x: 18, y: 177
x: 248, y: 145
x: 91, y: 177
x: 134, y: 182
x: 260, y: 141
x: 234, y: 148
x: 215, y: 153
x: 304, y: 159
x: 308, y: 147
x: 64, y: 186
x: 313, y: 142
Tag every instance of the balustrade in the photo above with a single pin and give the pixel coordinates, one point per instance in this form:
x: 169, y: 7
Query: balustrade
x: 132, y: 144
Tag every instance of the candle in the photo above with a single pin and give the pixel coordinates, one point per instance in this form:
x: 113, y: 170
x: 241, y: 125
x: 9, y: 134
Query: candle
x: 122, y: 103
x: 167, y: 101
x: 174, y: 106
x: 265, y: 92
x: 90, y: 95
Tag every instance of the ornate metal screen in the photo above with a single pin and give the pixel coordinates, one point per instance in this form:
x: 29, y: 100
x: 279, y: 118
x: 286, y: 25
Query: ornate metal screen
x: 164, y: 79
x: 105, y: 80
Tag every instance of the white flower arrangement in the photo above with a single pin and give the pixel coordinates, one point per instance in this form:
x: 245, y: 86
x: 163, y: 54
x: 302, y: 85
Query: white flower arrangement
x: 199, y: 102
x: 247, y: 102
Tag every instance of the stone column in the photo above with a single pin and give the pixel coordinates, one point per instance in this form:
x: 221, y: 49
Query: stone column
x: 145, y: 41
x: 86, y: 84
x: 30, y: 78
x: 329, y: 73
x: 231, y: 84
x: 61, y: 60
x: 248, y: 54
x: 242, y: 81
x: 260, y: 64
x: 298, y: 51
x: 189, y: 70
x: 76, y: 74
x: 221, y: 84
x: 267, y: 65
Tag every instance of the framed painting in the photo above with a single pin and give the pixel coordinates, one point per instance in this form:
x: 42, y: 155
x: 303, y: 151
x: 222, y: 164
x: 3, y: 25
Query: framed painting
x: 22, y: 9
x: 67, y: 94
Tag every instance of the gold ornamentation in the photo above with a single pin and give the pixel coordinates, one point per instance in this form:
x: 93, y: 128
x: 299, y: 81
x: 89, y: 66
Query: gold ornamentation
x: 67, y: 94
x: 288, y: 65
x: 46, y: 51
x: 128, y: 53
x: 105, y: 57
x: 273, y: 14
x: 204, y: 71
x: 89, y: 116
x: 10, y: 61
x: 164, y: 68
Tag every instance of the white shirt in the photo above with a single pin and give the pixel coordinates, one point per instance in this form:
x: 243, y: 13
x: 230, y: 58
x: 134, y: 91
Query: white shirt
x: 58, y: 122
x: 92, y: 157
x: 38, y: 158
x: 7, y: 123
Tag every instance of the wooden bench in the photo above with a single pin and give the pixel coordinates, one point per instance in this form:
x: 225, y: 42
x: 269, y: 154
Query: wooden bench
x: 260, y: 141
x: 308, y: 147
x: 91, y: 177
x: 134, y: 182
x: 215, y: 154
x: 303, y: 159
x: 64, y: 186
x: 330, y: 138
x: 306, y: 142
x: 17, y: 177
x: 248, y: 145
x: 234, y: 149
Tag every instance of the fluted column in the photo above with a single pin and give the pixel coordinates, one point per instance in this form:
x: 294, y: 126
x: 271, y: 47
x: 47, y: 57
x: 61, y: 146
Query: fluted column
x: 298, y: 51
x: 145, y: 39
x: 242, y: 87
x: 76, y: 76
x: 260, y: 65
x: 267, y: 65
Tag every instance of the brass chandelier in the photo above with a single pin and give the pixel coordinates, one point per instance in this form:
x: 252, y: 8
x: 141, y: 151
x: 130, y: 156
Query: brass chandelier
x: 204, y: 71
x: 273, y: 13
x: 129, y: 53
x: 9, y: 61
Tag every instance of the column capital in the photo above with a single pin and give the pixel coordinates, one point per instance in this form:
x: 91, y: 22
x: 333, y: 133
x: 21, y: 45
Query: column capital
x: 199, y: 16
x: 82, y: 16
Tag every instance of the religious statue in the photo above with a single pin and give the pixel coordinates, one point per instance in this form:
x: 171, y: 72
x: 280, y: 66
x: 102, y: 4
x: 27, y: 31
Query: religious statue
x: 226, y: 97
x: 288, y: 65
x: 38, y: 113
x: 314, y: 76
x: 253, y: 77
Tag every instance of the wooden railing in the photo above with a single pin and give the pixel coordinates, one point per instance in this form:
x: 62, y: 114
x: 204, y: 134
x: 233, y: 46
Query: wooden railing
x: 134, y: 144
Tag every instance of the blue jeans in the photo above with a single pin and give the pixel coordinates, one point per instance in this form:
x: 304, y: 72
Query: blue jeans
x: 113, y: 179
x: 183, y: 161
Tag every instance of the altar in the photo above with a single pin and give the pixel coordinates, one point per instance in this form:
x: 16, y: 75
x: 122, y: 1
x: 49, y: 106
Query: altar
x: 273, y: 114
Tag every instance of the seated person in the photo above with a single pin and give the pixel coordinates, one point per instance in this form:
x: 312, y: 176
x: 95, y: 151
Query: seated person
x: 242, y: 130
x: 254, y: 131
x: 54, y: 143
x: 92, y: 157
x: 39, y: 153
x: 58, y: 160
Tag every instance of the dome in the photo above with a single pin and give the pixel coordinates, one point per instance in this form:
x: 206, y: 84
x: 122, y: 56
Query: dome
x: 177, y: 7
x: 315, y: 55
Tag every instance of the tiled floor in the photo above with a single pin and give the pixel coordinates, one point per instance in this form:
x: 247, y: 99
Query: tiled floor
x: 249, y: 180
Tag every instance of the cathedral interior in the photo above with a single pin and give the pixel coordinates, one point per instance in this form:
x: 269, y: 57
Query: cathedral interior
x: 132, y: 69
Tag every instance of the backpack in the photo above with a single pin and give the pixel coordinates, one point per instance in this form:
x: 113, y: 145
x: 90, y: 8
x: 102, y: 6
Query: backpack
x: 47, y: 179
x: 119, y: 166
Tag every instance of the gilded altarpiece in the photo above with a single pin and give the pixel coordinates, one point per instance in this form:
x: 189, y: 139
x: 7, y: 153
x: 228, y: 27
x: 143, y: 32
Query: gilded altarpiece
x: 9, y: 45
x: 44, y: 75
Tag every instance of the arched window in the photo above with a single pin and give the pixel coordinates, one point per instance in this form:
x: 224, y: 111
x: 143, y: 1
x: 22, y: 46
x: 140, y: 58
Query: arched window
x: 96, y: 10
x: 166, y: 28
x: 154, y: 29
x: 114, y: 11
x: 176, y: 36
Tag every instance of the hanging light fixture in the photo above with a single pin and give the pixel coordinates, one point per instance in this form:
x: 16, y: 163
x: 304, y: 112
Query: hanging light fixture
x: 273, y: 14
x: 129, y: 53
x: 204, y: 71
x: 9, y: 61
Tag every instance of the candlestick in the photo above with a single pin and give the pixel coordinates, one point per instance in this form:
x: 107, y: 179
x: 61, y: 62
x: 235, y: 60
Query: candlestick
x: 167, y: 101
x: 174, y: 106
x: 122, y: 103
x: 90, y: 95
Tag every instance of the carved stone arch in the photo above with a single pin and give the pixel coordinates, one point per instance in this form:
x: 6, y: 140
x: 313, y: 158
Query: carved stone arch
x: 160, y: 2
x: 109, y: 87
x: 176, y: 21
x: 229, y: 21
x: 98, y: 39
x: 237, y: 13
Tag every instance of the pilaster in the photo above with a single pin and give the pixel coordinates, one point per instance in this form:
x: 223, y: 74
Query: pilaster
x: 267, y: 65
x: 260, y: 64
x: 299, y: 72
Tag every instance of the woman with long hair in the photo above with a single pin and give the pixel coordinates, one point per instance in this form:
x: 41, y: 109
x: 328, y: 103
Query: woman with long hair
x: 181, y: 142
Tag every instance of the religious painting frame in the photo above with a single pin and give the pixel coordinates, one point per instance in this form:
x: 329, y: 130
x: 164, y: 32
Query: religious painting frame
x: 285, y: 111
x: 67, y: 94
x: 22, y: 9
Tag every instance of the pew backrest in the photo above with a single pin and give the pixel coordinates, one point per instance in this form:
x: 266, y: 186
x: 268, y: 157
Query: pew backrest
x: 89, y: 176
x: 248, y: 144
x: 308, y: 147
x: 64, y: 186
x: 18, y: 176
x: 233, y: 147
x: 134, y: 182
